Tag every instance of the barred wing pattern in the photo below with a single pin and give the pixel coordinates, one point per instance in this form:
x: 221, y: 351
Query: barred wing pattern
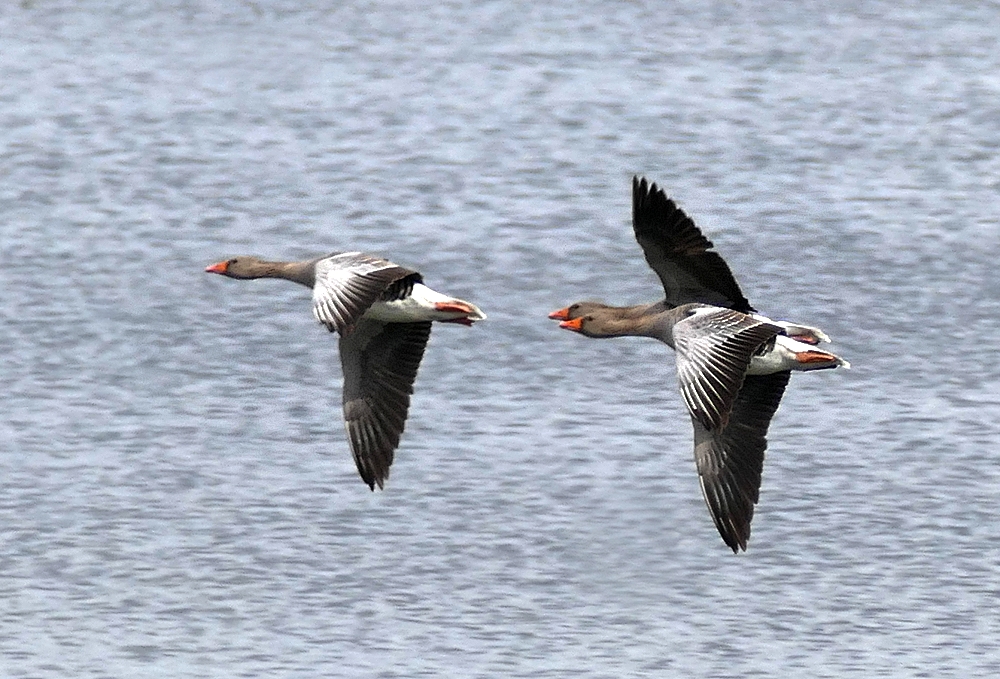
x: 350, y: 282
x: 714, y: 348
x: 380, y: 362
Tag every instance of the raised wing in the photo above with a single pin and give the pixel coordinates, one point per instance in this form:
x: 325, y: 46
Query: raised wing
x: 350, y: 282
x: 714, y: 348
x: 730, y: 460
x: 679, y: 254
x: 380, y: 362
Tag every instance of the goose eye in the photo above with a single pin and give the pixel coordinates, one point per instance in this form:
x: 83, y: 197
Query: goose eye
x: 232, y: 261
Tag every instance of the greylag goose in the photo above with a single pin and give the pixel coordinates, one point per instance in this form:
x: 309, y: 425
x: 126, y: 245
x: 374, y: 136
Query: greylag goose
x: 732, y: 363
x: 383, y: 314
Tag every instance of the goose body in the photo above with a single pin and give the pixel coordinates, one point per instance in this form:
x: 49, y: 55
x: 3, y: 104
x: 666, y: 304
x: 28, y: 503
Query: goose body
x: 733, y: 364
x: 383, y: 314
x: 422, y: 304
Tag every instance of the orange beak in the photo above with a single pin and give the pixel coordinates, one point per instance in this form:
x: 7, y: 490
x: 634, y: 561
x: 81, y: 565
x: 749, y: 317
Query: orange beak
x: 575, y: 324
x: 217, y: 268
x: 560, y: 315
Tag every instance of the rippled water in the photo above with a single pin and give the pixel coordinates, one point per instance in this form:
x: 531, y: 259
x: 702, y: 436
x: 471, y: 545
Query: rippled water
x: 178, y: 498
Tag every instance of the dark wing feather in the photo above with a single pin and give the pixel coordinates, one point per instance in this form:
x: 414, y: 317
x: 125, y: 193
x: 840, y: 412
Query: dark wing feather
x: 730, y: 460
x: 679, y: 254
x: 348, y: 283
x: 380, y: 362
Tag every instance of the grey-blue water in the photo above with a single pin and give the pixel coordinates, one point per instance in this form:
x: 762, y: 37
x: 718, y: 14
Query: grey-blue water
x: 176, y: 494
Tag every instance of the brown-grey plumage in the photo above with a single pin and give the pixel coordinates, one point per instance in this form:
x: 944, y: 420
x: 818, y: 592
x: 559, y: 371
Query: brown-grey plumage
x: 714, y: 349
x: 383, y: 314
x: 732, y: 364
x: 347, y: 284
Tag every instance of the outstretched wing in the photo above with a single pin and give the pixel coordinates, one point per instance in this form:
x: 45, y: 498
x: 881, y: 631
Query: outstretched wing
x: 730, y: 460
x: 380, y: 362
x: 350, y: 282
x: 714, y: 348
x: 679, y: 254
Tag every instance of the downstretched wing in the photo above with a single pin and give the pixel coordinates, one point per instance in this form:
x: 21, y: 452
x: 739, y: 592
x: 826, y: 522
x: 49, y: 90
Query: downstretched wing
x: 714, y: 348
x: 679, y: 254
x: 730, y: 460
x: 350, y: 282
x: 380, y: 362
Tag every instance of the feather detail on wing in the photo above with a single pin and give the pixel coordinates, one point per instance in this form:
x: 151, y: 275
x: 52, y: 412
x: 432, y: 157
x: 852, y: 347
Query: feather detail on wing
x: 680, y: 254
x: 730, y: 460
x: 714, y: 348
x: 380, y: 362
x: 348, y: 283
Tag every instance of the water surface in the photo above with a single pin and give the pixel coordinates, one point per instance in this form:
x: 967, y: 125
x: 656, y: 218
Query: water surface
x: 178, y: 498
